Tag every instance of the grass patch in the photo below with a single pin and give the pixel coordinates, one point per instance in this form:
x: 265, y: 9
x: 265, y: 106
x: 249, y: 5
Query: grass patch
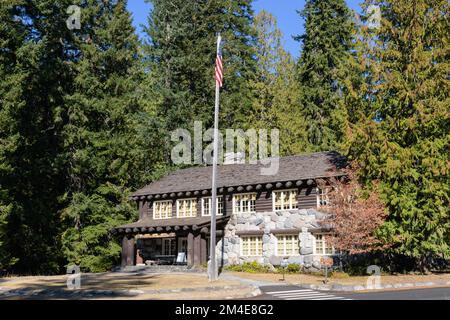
x: 339, y: 275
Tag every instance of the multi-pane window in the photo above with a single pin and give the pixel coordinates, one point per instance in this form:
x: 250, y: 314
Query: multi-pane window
x: 321, y: 246
x: 162, y: 210
x: 322, y: 197
x: 186, y: 208
x: 251, y: 246
x: 168, y: 247
x: 207, y: 206
x: 244, y: 203
x: 287, y: 245
x: 285, y: 200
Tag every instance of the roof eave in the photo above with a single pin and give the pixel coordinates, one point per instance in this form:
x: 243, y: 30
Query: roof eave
x: 144, y: 193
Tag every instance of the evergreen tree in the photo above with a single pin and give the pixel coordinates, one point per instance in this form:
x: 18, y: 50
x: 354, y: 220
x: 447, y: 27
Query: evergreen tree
x: 322, y: 71
x: 181, y: 53
x: 77, y: 133
x: 276, y: 90
x: 233, y: 19
x: 11, y: 37
x: 402, y: 133
x: 105, y: 153
x: 7, y: 260
x: 34, y: 76
x: 170, y: 32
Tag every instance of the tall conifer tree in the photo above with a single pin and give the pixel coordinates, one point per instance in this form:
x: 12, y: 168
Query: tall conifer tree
x: 103, y: 150
x: 34, y: 77
x: 275, y: 88
x: 322, y: 70
x: 181, y: 53
x: 76, y: 132
x: 402, y: 135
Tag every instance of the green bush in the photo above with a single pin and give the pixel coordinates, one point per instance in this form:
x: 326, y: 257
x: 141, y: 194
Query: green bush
x: 237, y: 268
x: 249, y: 267
x: 293, y: 268
x: 290, y: 268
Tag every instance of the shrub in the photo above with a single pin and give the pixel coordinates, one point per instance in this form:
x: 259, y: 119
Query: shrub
x: 290, y: 268
x: 293, y: 268
x: 249, y: 267
x: 237, y: 268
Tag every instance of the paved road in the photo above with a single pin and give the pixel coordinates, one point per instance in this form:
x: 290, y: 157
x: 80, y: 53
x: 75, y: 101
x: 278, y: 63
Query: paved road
x: 295, y: 293
x: 298, y: 293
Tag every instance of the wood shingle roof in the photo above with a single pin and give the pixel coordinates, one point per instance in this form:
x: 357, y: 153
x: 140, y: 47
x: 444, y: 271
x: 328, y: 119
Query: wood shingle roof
x: 311, y: 166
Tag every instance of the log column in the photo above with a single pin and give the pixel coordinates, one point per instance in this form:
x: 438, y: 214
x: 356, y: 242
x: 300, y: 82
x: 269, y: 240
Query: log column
x: 190, y: 249
x: 197, y: 250
x: 128, y: 251
x: 203, y: 251
x: 139, y: 259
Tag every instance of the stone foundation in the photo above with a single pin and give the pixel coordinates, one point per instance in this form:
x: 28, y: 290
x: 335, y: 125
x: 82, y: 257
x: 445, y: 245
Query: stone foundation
x: 269, y: 223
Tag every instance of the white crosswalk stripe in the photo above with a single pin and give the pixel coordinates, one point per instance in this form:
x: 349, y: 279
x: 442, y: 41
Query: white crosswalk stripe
x: 304, y: 294
x: 289, y: 291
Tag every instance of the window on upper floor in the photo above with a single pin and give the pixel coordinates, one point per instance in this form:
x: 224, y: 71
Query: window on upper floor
x: 285, y: 200
x: 322, y: 245
x: 251, y: 246
x: 323, y: 199
x: 244, y: 203
x: 162, y: 210
x: 287, y: 245
x: 186, y: 208
x: 207, y: 206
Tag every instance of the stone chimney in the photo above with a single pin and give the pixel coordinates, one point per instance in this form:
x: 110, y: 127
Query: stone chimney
x: 234, y: 158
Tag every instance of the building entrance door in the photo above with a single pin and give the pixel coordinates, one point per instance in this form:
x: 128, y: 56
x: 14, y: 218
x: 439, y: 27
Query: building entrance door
x: 182, y: 244
x: 182, y: 250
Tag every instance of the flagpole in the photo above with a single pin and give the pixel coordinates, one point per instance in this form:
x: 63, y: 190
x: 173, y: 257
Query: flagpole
x: 213, y: 272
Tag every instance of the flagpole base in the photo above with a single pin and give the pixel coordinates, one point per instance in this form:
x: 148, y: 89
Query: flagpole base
x: 213, y: 275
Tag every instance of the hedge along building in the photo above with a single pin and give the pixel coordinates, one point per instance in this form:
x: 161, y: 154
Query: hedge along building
x: 259, y: 218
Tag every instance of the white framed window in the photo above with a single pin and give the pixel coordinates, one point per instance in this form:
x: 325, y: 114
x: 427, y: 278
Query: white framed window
x: 186, y: 208
x: 251, y: 246
x: 207, y: 206
x: 322, y: 246
x: 285, y: 200
x: 168, y: 247
x: 162, y: 210
x: 287, y: 245
x: 322, y: 197
x: 244, y: 203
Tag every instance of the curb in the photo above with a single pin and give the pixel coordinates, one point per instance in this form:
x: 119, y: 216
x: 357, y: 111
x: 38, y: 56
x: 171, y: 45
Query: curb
x: 199, y: 289
x: 256, y: 292
x: 348, y: 288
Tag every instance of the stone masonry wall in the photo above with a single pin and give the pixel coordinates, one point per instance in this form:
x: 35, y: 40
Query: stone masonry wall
x: 300, y: 220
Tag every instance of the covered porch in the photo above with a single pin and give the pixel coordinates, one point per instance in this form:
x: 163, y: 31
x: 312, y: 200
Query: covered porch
x: 168, y: 242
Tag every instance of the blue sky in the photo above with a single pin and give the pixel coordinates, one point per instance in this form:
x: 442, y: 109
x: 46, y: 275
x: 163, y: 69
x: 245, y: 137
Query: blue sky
x: 284, y: 10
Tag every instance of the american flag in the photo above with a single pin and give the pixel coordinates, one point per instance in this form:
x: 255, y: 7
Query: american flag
x: 219, y: 64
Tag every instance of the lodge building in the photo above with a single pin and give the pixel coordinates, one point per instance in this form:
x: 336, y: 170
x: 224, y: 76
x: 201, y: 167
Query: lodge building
x: 263, y: 218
